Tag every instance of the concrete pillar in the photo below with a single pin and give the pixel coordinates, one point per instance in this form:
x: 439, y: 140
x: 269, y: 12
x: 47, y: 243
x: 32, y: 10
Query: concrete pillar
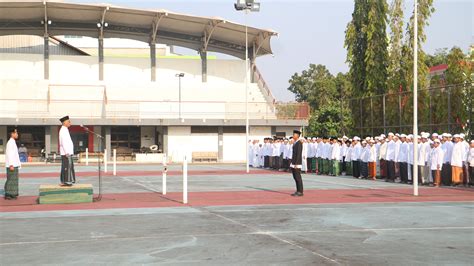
x: 153, y: 61
x: 101, y: 58
x: 274, y: 131
x: 165, y: 140
x: 204, y: 65
x: 46, y: 57
x: 47, y: 140
x: 108, y: 137
x: 220, y: 147
x: 3, y: 139
x: 54, y: 130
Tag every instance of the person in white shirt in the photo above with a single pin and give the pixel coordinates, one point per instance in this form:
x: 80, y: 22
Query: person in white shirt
x: 447, y: 146
x: 437, y: 157
x: 335, y: 157
x: 66, y: 148
x: 343, y: 155
x: 423, y: 157
x: 12, y: 164
x: 383, y: 157
x: 390, y: 158
x: 457, y: 160
x: 465, y: 165
x: 364, y: 160
x: 355, y: 156
x: 372, y: 160
x: 470, y: 160
x: 403, y: 159
x: 349, y: 157
x: 410, y: 158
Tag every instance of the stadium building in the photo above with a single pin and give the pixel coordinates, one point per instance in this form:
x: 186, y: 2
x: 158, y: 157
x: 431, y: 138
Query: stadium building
x: 114, y: 70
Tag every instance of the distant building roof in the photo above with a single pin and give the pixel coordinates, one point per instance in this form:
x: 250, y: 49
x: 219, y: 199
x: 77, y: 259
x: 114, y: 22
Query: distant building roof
x: 438, y: 68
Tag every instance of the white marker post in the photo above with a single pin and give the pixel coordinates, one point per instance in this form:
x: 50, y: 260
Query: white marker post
x: 165, y: 169
x: 185, y: 180
x: 115, y: 161
x: 87, y: 156
x: 105, y: 160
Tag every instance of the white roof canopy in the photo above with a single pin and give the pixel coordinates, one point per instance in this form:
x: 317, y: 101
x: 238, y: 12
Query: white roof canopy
x: 159, y: 26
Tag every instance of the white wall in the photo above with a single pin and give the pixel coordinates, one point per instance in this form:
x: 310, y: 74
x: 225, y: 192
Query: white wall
x: 179, y: 143
x: 234, y: 147
x: 259, y: 133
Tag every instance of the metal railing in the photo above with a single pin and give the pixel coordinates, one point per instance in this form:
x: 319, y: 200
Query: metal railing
x: 124, y: 109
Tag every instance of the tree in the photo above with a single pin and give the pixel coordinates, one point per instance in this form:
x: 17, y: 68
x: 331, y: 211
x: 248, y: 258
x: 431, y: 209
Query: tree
x: 319, y: 88
x: 376, y: 54
x: 459, y: 74
x: 356, y: 45
x: 395, y: 73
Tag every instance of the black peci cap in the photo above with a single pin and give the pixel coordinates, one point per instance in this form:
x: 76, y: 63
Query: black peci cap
x: 64, y: 118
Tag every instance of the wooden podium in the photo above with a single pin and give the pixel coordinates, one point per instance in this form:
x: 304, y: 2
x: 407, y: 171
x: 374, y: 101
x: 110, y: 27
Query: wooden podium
x: 56, y: 194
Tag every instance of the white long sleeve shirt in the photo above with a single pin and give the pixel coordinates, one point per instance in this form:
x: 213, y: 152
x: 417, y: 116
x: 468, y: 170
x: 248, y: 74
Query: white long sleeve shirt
x: 391, y: 146
x: 403, y: 153
x: 335, y: 152
x: 437, y: 157
x: 383, y: 151
x: 65, y: 142
x: 356, y: 151
x: 448, y: 151
x: 372, y: 154
x: 12, y: 156
x: 458, y: 154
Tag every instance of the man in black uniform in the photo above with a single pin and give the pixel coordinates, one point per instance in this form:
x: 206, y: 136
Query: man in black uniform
x: 296, y: 163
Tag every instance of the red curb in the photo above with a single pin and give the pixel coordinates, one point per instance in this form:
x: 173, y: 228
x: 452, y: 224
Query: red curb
x: 238, y: 198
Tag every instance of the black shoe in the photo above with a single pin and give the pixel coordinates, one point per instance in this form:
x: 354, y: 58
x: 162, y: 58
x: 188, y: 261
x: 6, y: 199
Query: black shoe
x: 297, y: 194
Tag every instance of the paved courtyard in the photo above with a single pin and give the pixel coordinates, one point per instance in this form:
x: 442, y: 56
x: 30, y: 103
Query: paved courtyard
x: 234, y: 218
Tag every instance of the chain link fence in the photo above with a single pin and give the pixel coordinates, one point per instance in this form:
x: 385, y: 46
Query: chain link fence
x: 440, y: 109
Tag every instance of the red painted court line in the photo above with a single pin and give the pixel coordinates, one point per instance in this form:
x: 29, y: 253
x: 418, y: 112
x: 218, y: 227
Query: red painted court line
x: 240, y: 198
x: 147, y: 173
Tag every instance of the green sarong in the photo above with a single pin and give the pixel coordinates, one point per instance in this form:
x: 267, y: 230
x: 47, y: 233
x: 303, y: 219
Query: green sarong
x: 11, y: 185
x: 313, y: 163
x: 335, y: 167
x: 348, y: 169
x: 325, y: 166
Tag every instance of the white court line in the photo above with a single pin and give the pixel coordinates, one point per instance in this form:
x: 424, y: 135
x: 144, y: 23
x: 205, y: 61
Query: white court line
x: 335, y: 208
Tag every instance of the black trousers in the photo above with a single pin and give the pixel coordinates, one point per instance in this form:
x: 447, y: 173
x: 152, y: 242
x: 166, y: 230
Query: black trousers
x: 343, y: 165
x: 391, y: 170
x: 404, y: 172
x: 298, y: 180
x: 446, y: 174
x: 356, y: 169
x: 471, y: 175
x: 309, y: 165
x: 266, y: 161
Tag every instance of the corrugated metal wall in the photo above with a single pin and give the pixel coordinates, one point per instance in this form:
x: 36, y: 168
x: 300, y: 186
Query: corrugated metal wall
x: 27, y: 44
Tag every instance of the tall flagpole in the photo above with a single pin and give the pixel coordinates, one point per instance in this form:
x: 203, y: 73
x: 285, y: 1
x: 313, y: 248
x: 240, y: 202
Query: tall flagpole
x: 246, y: 94
x: 415, y: 103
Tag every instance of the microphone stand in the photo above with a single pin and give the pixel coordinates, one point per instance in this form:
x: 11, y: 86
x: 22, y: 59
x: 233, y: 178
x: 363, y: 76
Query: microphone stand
x: 99, y: 160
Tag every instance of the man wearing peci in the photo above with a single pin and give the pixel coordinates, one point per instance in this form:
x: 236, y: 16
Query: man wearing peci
x: 66, y: 147
x: 297, y: 163
x: 12, y: 164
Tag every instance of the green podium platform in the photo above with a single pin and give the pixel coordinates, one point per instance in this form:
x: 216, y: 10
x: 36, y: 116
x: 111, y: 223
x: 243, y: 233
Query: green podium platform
x: 56, y: 194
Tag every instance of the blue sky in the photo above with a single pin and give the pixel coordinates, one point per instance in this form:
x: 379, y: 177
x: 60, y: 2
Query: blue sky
x: 312, y: 31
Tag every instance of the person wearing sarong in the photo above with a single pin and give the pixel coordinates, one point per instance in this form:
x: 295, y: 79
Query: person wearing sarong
x: 436, y: 163
x: 457, y: 161
x: 66, y: 148
x: 12, y: 164
x: 470, y: 160
x: 335, y: 157
x: 356, y: 151
x: 364, y: 160
x: 372, y: 160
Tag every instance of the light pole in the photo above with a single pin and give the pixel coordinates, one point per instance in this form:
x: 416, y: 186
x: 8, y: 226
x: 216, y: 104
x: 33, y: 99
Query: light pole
x: 179, y: 76
x: 415, y: 102
x: 247, y: 6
